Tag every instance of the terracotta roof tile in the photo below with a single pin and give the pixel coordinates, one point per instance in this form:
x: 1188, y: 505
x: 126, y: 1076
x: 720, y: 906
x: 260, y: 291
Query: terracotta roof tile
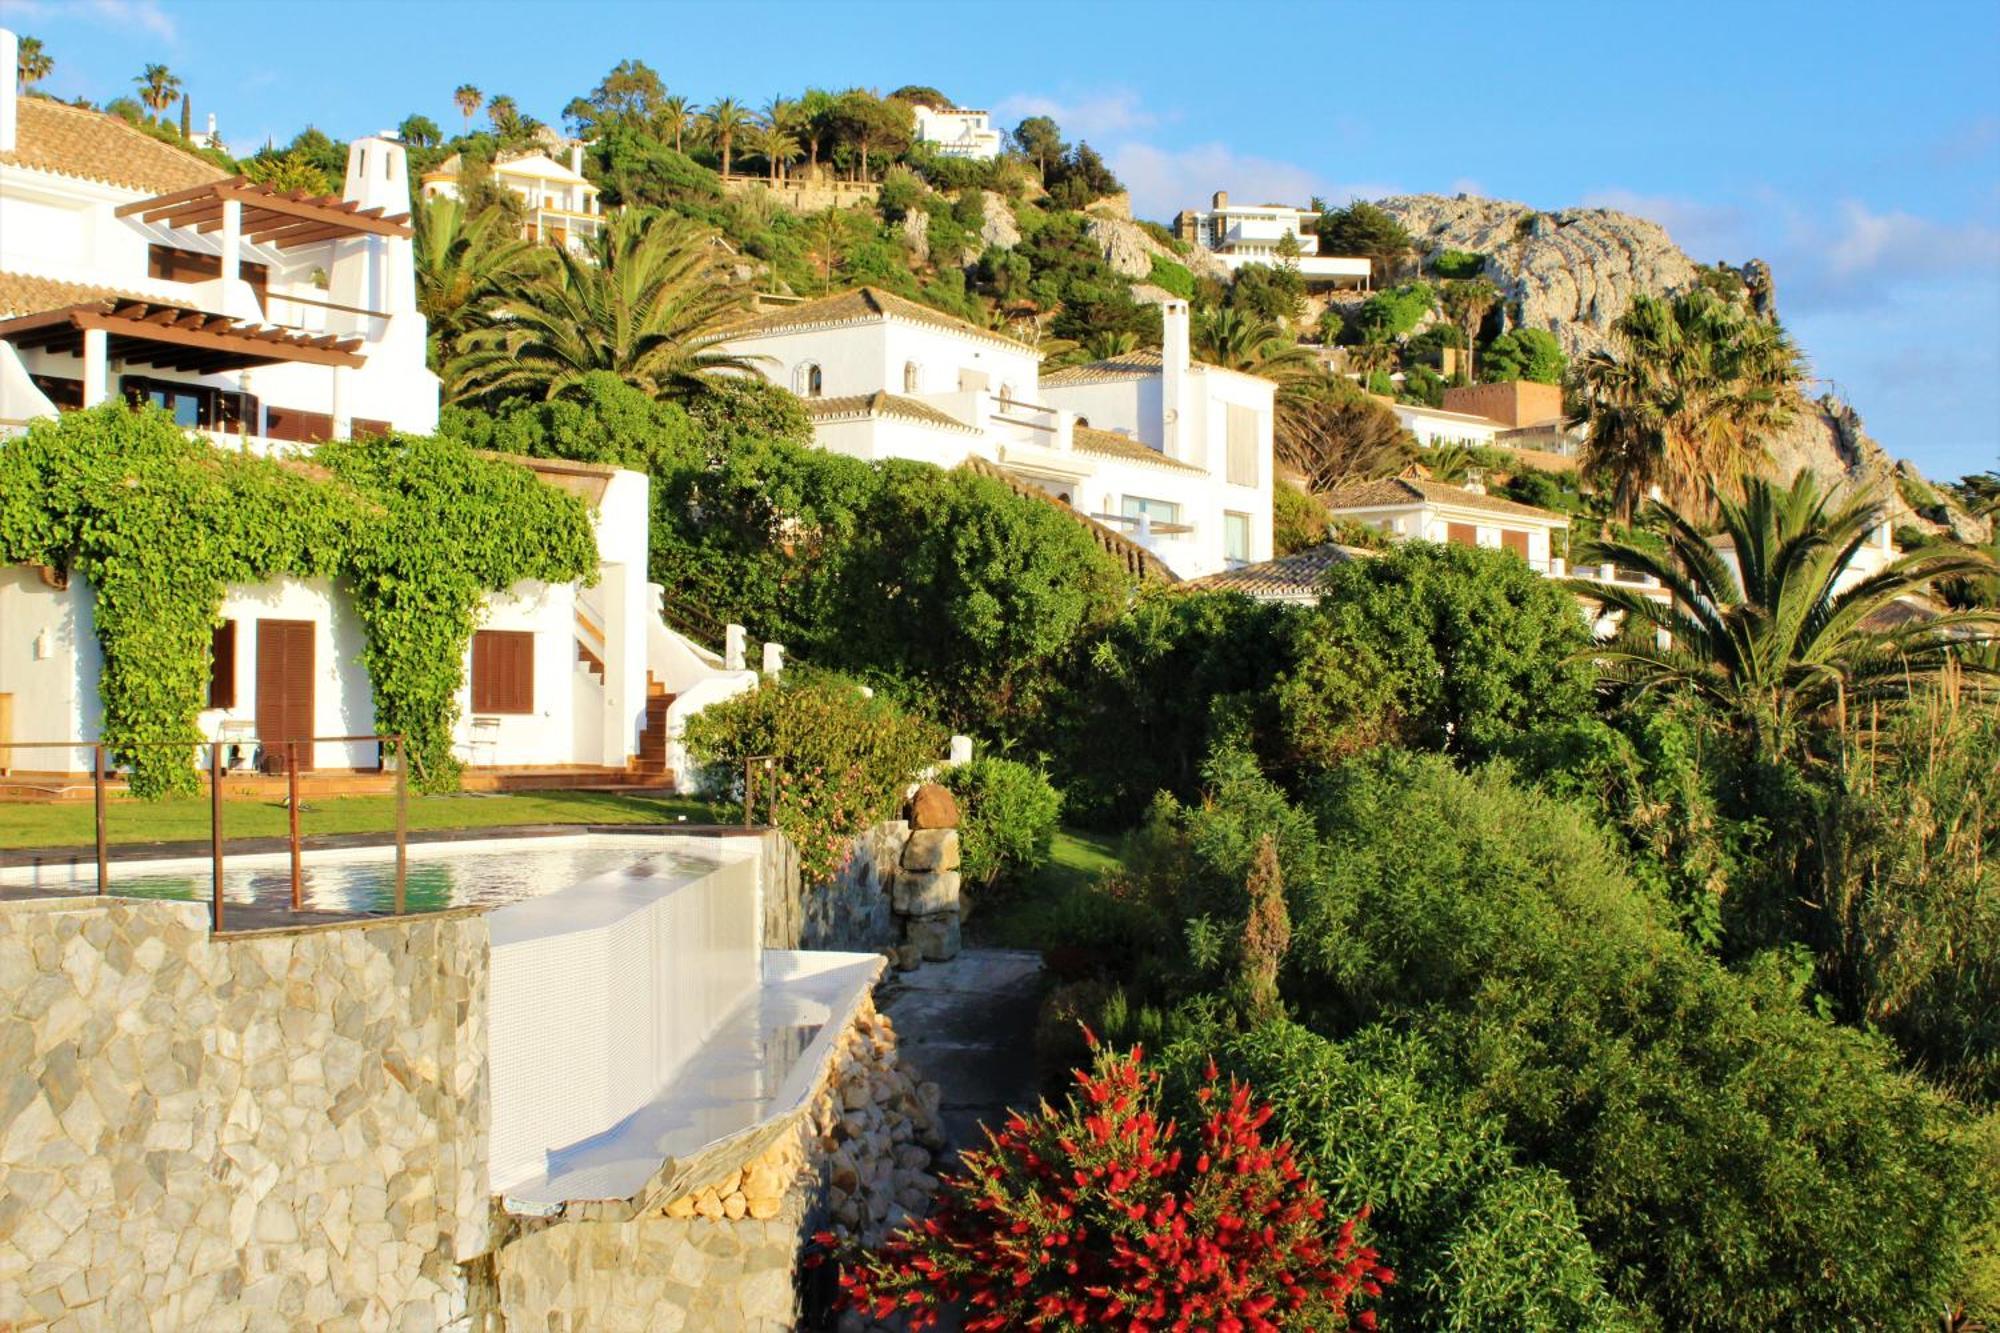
x: 1392, y: 491
x: 1135, y: 559
x: 862, y: 305
x: 1113, y: 445
x: 1286, y: 578
x: 26, y: 294
x: 1131, y: 365
x: 880, y: 405
x: 99, y: 147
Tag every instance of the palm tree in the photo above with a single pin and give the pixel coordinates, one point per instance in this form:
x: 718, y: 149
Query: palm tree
x: 647, y: 302
x: 1467, y: 300
x: 469, y: 100
x: 813, y: 109
x: 1692, y: 389
x: 675, y: 118
x: 1371, y: 355
x: 725, y: 120
x: 780, y: 148
x: 32, y: 64
x: 158, y: 88
x: 465, y: 261
x: 505, y: 113
x: 1235, y: 340
x: 1335, y: 435
x: 1763, y: 621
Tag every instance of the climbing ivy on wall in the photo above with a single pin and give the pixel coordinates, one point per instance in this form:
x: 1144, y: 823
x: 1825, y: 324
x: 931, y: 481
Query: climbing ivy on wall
x: 161, y: 523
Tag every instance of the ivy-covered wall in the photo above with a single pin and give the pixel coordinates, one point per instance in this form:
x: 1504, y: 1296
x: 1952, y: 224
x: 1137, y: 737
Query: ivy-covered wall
x: 417, y: 529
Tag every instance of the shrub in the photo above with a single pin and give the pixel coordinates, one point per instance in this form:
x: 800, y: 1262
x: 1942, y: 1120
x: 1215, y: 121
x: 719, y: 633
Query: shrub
x: 1172, y: 277
x: 1457, y: 264
x: 1392, y: 313
x: 1102, y: 1213
x: 1297, y: 520
x: 845, y: 758
x: 1524, y: 354
x: 1737, y: 1161
x: 1423, y: 385
x: 1440, y: 646
x: 1007, y: 818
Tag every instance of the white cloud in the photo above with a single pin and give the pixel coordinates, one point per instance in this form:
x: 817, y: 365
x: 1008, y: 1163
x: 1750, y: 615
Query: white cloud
x: 1163, y: 181
x: 1113, y: 112
x: 145, y: 15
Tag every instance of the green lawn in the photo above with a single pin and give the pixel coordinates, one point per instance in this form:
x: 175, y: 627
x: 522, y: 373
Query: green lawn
x: 186, y: 819
x: 1029, y: 915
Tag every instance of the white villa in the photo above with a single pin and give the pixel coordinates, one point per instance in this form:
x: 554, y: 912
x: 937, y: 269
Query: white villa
x: 1411, y: 507
x: 1172, y: 454
x: 131, y: 269
x: 958, y: 132
x: 1251, y: 234
x: 561, y: 205
x: 1436, y: 428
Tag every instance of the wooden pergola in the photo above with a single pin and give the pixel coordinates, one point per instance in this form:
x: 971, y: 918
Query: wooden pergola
x: 268, y: 217
x: 175, y: 337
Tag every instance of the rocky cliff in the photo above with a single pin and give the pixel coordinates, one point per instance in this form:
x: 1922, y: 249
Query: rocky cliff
x: 1572, y: 271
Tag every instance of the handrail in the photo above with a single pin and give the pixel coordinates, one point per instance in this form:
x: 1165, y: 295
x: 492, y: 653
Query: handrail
x: 215, y: 748
x: 752, y: 765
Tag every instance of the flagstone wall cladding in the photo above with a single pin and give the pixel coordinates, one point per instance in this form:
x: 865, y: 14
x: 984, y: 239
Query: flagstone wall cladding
x: 261, y: 1130
x: 898, y: 892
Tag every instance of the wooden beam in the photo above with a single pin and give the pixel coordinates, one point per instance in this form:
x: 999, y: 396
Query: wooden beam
x: 368, y: 221
x: 184, y: 215
x: 244, y: 342
x: 211, y: 190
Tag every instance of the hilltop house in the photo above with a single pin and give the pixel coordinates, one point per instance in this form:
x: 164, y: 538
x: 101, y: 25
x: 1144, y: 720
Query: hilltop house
x: 957, y: 132
x: 1252, y: 234
x: 1173, y: 454
x: 1414, y: 507
x: 560, y: 205
x: 269, y: 322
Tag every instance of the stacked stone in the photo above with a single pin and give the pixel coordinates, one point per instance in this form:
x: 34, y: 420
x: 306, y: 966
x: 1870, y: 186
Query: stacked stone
x: 925, y: 890
x: 871, y: 1133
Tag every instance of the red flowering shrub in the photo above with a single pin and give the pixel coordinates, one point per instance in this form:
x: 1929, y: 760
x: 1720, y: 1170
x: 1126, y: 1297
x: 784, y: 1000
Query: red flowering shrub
x: 1099, y: 1215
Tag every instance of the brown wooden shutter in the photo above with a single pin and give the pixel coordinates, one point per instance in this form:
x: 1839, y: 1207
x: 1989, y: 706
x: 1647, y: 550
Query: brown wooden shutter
x: 285, y: 690
x: 289, y: 423
x: 1517, y: 542
x: 1465, y: 534
x: 503, y: 671
x: 222, y: 665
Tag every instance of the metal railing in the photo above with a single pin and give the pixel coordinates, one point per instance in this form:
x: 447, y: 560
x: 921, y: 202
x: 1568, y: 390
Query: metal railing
x: 218, y: 772
x: 752, y: 766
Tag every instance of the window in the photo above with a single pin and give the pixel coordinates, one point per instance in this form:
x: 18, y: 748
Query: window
x: 191, y: 405
x: 1463, y: 534
x: 912, y: 376
x: 1236, y: 537
x: 1155, y: 512
x: 222, y: 665
x: 503, y: 671
x: 1517, y: 542
x: 807, y: 382
x: 65, y: 395
x: 1244, y: 429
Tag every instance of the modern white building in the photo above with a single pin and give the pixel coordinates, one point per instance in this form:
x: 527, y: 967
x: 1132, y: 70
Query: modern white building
x: 958, y: 132
x: 268, y: 322
x: 559, y: 204
x: 1241, y: 234
x: 1435, y: 428
x: 1173, y: 454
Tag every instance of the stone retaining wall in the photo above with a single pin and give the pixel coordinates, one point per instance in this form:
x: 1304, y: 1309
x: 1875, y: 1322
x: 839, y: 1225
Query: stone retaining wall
x: 261, y: 1130
x: 897, y: 893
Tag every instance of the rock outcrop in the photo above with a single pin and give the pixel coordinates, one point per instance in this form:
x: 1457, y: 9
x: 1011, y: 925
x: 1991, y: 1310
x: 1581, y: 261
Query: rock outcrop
x: 1130, y: 249
x: 1571, y: 271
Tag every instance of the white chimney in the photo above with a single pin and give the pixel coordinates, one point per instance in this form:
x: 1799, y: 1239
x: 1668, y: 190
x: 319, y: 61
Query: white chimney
x: 10, y: 54
x: 576, y: 158
x: 1177, y: 439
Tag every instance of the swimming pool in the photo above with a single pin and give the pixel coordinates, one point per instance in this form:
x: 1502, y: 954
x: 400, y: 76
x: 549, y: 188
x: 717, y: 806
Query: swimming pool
x: 489, y: 872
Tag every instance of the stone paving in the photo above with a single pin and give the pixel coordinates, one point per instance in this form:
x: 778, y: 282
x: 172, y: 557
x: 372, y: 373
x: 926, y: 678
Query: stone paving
x: 969, y: 1025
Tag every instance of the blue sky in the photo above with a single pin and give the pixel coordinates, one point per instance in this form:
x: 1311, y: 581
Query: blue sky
x: 1854, y: 147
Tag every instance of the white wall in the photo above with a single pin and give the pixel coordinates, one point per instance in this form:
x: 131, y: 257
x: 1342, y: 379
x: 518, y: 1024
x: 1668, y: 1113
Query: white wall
x: 545, y: 735
x: 55, y: 689
x: 343, y: 703
x: 599, y: 992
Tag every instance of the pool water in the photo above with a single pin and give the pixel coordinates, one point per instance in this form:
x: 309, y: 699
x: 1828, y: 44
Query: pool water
x: 486, y: 873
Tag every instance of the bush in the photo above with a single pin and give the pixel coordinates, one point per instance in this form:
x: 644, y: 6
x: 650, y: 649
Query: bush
x: 1524, y: 354
x: 1423, y: 385
x: 1457, y: 264
x: 1392, y: 313
x: 1731, y: 1155
x: 1104, y: 1214
x: 1172, y: 277
x: 844, y: 758
x: 1438, y: 646
x: 1298, y: 521
x: 1007, y: 818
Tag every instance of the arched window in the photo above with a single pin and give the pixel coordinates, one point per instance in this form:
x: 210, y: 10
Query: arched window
x: 807, y: 381
x: 911, y: 376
